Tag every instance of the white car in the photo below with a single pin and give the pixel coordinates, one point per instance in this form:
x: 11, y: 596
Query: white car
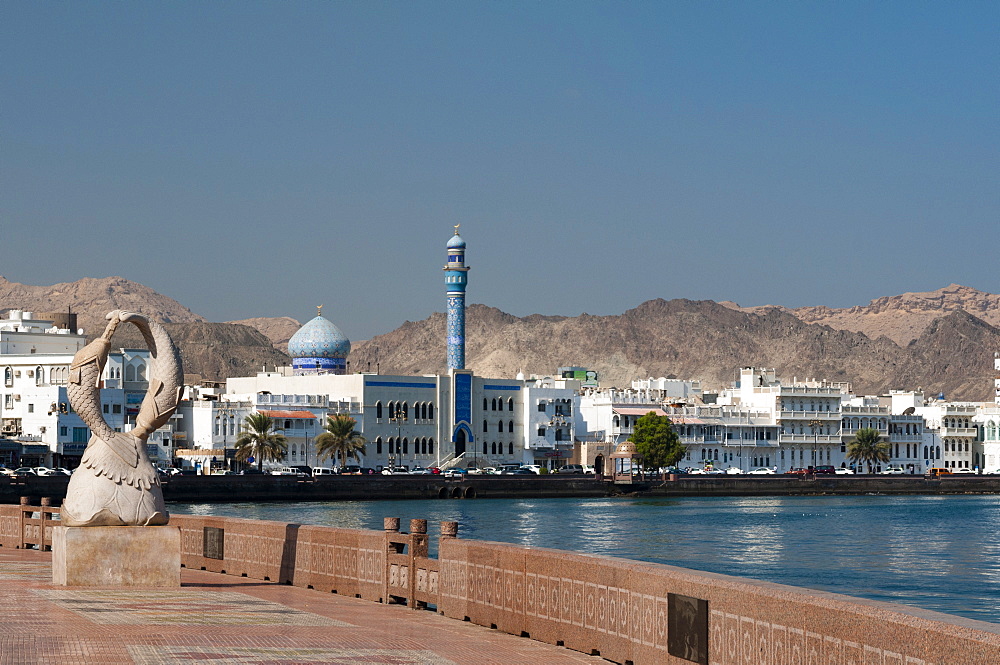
x: 46, y: 471
x: 534, y: 468
x: 734, y: 471
x: 893, y: 471
x: 844, y: 472
x: 761, y: 471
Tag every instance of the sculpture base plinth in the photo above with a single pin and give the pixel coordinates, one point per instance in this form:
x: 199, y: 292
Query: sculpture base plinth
x: 129, y: 556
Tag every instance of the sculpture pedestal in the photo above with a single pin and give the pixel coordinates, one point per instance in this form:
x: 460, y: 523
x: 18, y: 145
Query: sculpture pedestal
x: 129, y: 556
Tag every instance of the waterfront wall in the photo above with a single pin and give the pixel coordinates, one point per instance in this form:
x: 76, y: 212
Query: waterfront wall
x: 626, y: 611
x: 208, y: 489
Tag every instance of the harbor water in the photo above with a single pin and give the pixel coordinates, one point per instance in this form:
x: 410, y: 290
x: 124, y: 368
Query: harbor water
x: 935, y: 552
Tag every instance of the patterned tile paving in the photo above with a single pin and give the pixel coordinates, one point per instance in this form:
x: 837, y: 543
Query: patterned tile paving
x: 181, y: 607
x: 177, y: 655
x: 17, y: 570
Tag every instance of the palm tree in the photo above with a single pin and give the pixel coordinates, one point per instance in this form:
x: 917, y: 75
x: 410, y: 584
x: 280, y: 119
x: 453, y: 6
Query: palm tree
x: 260, y: 439
x: 868, y: 448
x: 340, y: 440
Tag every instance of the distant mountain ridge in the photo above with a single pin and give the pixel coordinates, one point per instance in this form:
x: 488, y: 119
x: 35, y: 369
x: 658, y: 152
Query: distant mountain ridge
x: 942, y: 341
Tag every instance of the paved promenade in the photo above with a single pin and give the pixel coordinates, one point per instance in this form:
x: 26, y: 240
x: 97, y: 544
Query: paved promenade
x: 221, y: 619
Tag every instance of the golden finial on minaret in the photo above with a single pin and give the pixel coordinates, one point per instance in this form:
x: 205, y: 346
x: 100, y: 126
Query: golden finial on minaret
x: 319, y: 310
x: 456, y: 228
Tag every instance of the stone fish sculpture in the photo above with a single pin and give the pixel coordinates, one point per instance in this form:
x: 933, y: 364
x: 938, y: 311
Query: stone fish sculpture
x: 116, y: 484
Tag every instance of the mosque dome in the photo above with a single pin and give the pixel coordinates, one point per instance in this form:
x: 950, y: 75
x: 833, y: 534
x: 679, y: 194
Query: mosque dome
x: 319, y: 338
x: 456, y: 242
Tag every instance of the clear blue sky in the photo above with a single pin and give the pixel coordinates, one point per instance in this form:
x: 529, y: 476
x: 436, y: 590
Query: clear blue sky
x: 261, y: 158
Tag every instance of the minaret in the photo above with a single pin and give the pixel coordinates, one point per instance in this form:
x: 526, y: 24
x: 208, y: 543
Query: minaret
x: 455, y: 280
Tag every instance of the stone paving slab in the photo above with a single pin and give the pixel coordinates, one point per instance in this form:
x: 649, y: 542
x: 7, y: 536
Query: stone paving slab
x: 222, y: 620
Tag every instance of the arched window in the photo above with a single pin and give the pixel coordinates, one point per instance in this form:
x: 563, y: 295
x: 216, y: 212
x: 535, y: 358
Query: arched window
x: 510, y: 404
x: 378, y: 410
x: 378, y: 445
x: 130, y: 372
x: 559, y: 435
x: 140, y: 372
x: 486, y: 427
x: 406, y: 411
x: 430, y: 446
x: 493, y: 405
x: 493, y: 448
x: 616, y: 422
x: 39, y: 375
x: 510, y: 450
x: 510, y: 426
x: 430, y: 411
x: 8, y: 376
x: 423, y: 410
x: 484, y: 447
x: 486, y: 404
x: 500, y: 426
x: 406, y: 445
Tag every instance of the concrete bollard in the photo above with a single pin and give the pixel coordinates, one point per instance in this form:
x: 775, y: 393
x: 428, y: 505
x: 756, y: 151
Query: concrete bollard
x: 418, y: 526
x: 449, y: 529
x: 390, y: 523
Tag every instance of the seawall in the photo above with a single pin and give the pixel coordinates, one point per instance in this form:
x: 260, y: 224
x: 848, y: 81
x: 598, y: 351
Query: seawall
x: 210, y: 489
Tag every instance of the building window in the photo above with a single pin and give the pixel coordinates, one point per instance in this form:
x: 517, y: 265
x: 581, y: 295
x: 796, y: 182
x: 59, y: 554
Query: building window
x: 484, y: 447
x: 541, y: 431
x: 510, y: 450
x: 486, y: 427
x: 500, y: 426
x: 510, y: 426
x: 486, y: 404
x: 378, y: 410
x: 430, y: 446
x: 31, y: 408
x: 8, y: 377
x: 510, y: 404
x: 430, y: 412
x: 39, y: 375
x: 493, y: 449
x: 541, y: 407
x: 493, y: 405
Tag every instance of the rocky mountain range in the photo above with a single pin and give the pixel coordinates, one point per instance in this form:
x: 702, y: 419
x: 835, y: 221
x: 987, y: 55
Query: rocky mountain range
x: 941, y: 341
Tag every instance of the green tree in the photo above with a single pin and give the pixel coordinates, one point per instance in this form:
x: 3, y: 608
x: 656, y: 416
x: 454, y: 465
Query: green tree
x: 655, y: 439
x: 260, y: 439
x: 340, y: 440
x: 868, y: 448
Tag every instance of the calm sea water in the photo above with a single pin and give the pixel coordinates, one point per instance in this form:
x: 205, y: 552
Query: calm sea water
x: 936, y: 552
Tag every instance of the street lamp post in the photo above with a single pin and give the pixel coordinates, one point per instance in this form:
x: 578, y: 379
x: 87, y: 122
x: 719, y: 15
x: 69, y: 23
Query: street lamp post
x: 815, y: 425
x: 397, y: 417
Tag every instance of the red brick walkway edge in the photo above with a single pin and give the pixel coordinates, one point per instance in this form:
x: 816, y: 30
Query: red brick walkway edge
x: 625, y: 611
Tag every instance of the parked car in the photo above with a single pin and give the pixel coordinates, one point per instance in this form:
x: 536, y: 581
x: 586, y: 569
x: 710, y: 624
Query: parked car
x: 844, y: 471
x: 24, y: 471
x: 761, y: 471
x: 800, y: 471
x: 520, y: 472
x: 45, y: 471
x: 937, y: 472
x: 453, y: 473
x: 534, y: 468
x: 893, y: 470
x: 289, y: 471
x: 571, y: 468
x: 970, y: 471
x: 4, y: 471
x: 473, y: 471
x: 245, y: 472
x: 825, y: 470
x: 350, y: 470
x: 323, y: 471
x: 734, y: 471
x: 588, y: 470
x: 401, y: 470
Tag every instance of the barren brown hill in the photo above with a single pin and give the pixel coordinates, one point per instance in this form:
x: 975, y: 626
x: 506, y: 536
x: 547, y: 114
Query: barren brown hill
x: 278, y: 329
x: 699, y: 340
x: 212, y: 351
x: 92, y: 298
x: 901, y: 318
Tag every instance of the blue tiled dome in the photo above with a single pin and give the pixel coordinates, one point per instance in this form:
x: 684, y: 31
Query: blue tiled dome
x: 456, y: 242
x: 319, y: 338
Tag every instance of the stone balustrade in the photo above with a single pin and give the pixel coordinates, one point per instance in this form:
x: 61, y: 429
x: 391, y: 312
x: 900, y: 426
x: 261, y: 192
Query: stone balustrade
x: 625, y: 611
